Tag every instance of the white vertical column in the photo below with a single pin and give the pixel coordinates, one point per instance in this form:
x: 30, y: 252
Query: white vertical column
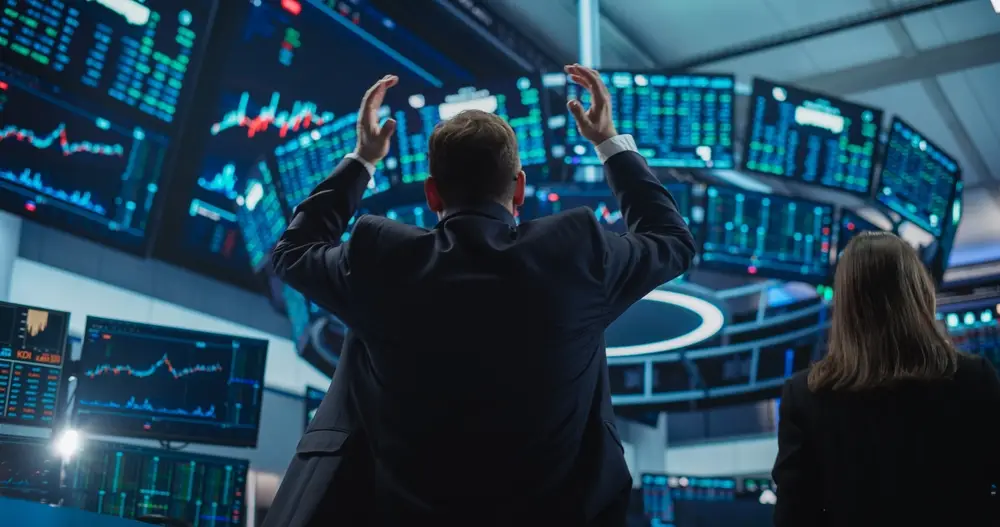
x: 647, y: 447
x: 589, y: 21
x: 10, y: 241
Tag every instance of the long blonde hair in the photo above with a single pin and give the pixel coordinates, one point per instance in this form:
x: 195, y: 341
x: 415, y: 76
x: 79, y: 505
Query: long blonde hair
x: 883, y: 328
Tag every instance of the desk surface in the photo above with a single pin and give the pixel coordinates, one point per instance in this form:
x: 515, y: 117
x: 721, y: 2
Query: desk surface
x: 18, y: 512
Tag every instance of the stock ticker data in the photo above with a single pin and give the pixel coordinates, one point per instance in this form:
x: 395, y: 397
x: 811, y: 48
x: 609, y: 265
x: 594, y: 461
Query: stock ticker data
x: 29, y: 468
x: 32, y: 345
x: 278, y: 84
x: 682, y: 121
x: 812, y: 138
x: 522, y: 102
x: 851, y: 225
x: 766, y: 235
x: 260, y: 215
x: 130, y: 481
x: 140, y: 380
x: 918, y: 179
x: 600, y: 199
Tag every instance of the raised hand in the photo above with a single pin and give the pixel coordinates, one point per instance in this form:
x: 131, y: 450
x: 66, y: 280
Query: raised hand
x: 595, y: 123
x: 373, y: 140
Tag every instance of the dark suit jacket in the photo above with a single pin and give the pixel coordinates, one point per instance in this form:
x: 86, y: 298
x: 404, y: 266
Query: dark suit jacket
x: 920, y: 453
x: 486, y: 398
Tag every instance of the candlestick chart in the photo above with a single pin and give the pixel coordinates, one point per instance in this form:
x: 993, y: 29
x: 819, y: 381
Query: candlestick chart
x: 161, y: 382
x: 76, y: 167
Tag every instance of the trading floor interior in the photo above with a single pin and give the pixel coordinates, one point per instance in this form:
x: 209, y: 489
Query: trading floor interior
x: 152, y: 151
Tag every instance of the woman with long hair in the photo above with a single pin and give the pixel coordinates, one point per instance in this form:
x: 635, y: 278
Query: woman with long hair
x: 893, y: 427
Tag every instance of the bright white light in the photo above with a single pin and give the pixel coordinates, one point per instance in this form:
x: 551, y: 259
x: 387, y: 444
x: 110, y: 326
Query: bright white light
x: 996, y: 6
x: 768, y: 497
x: 712, y: 321
x: 68, y: 444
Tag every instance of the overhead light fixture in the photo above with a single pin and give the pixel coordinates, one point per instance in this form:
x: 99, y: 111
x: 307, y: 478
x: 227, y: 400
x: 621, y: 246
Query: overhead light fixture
x: 712, y: 320
x: 68, y: 444
x: 996, y: 6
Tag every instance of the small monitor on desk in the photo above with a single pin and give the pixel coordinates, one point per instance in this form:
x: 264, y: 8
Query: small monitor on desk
x: 812, y: 138
x: 170, y: 384
x: 32, y: 352
x: 131, y: 481
x: 29, y: 468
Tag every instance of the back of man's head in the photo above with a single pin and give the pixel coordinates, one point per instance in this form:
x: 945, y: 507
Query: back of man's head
x: 474, y: 158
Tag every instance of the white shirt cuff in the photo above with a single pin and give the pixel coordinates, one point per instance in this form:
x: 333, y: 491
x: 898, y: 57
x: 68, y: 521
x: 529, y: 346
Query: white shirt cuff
x: 615, y: 145
x: 371, y: 168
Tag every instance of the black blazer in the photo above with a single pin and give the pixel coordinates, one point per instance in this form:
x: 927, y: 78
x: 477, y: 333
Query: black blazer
x: 487, y: 387
x: 919, y: 453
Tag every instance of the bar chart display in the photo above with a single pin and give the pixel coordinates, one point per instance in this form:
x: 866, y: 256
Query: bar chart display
x: 69, y: 163
x: 812, y: 138
x: 918, y: 179
x: 766, y: 235
x: 260, y: 215
x: 32, y: 345
x: 139, y: 380
x: 681, y: 121
x: 134, y: 55
x: 29, y: 468
x: 522, y: 102
x: 130, y: 481
x: 270, y: 95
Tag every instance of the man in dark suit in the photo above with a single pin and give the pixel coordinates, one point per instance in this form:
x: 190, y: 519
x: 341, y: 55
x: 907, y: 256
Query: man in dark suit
x: 486, y: 395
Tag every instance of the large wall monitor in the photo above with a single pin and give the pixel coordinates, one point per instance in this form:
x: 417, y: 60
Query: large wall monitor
x: 91, y: 95
x: 851, y: 225
x: 766, y: 235
x: 259, y: 213
x: 155, y: 382
x: 598, y: 197
x: 32, y: 352
x: 131, y: 481
x: 275, y: 60
x: 918, y: 180
x: 682, y: 120
x: 29, y: 468
x: 810, y: 137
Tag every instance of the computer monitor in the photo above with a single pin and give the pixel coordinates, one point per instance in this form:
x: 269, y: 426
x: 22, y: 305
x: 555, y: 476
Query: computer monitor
x: 32, y: 352
x: 918, y: 180
x: 92, y: 96
x: 29, y: 468
x: 170, y: 384
x: 132, y: 481
x: 598, y: 197
x: 766, y: 235
x: 418, y: 215
x: 682, y: 120
x: 810, y: 137
x: 314, y: 396
x: 259, y: 213
x: 851, y: 225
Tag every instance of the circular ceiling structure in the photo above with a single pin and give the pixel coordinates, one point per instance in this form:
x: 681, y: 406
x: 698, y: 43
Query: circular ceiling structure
x: 665, y: 320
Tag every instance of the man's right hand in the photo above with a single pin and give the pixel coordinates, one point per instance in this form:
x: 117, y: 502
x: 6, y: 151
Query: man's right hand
x: 595, y: 123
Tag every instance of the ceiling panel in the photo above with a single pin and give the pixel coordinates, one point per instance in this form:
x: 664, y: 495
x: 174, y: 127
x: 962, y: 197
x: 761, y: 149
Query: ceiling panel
x: 911, y: 102
x: 778, y: 64
x: 980, y: 220
x: 975, y: 96
x: 951, y: 24
x: 799, y: 13
x: 866, y: 44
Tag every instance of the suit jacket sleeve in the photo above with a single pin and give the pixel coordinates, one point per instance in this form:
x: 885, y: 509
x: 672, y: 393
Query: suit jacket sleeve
x: 658, y: 247
x: 991, y: 396
x: 796, y: 471
x: 309, y: 255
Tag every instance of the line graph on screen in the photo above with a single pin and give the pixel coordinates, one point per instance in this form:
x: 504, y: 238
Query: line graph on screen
x: 59, y: 139
x: 302, y: 115
x: 146, y: 406
x: 164, y: 362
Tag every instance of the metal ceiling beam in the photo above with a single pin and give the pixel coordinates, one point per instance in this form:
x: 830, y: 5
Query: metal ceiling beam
x: 816, y: 31
x: 931, y: 63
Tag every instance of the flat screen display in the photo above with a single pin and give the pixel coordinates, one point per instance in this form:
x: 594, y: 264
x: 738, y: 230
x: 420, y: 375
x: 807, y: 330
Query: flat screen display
x: 92, y: 94
x: 766, y: 235
x: 521, y: 101
x: 29, y: 468
x: 130, y: 481
x: 810, y: 137
x: 599, y: 198
x: 32, y: 352
x: 681, y: 121
x: 290, y: 75
x: 918, y: 180
x: 259, y: 214
x: 851, y: 225
x: 170, y: 384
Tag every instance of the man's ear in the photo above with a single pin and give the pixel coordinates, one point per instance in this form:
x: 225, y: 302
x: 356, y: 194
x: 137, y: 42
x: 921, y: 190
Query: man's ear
x: 434, y: 201
x: 522, y: 180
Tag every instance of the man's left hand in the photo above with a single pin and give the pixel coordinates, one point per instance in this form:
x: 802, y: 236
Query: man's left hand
x: 373, y: 140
